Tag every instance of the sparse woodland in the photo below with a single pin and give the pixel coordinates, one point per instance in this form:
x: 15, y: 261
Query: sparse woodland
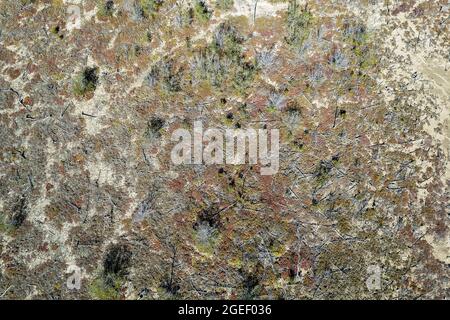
x: 360, y: 91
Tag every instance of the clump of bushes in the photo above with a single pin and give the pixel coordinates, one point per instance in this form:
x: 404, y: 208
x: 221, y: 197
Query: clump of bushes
x: 185, y: 17
x: 209, y: 216
x: 87, y: 81
x: 355, y: 33
x: 116, y: 262
x: 317, y: 75
x: 27, y: 2
x: 150, y: 7
x: 266, y: 58
x: 138, y: 10
x: 201, y: 11
x: 165, y: 73
x: 299, y: 22
x: 275, y: 101
x: 323, y: 171
x: 99, y: 290
x: 56, y: 31
x: 224, y: 4
x: 227, y: 41
x: 207, y: 229
x: 222, y: 61
x: 16, y: 219
x: 4, y: 225
x: 171, y: 287
x: 339, y: 59
x: 106, y: 9
x: 250, y: 285
x: 154, y: 127
x: 19, y: 213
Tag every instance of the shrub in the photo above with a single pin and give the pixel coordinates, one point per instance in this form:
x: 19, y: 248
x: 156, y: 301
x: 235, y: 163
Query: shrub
x: 150, y: 7
x: 87, y: 81
x: 152, y: 78
x: 227, y: 41
x: 298, y: 24
x: 224, y: 4
x: 166, y: 74
x: 102, y: 291
x: 265, y: 58
x: 276, y: 101
x: 201, y: 11
x: 339, y: 60
x: 106, y: 9
x: 19, y: 213
x: 117, y: 259
x: 154, y: 127
x: 222, y: 61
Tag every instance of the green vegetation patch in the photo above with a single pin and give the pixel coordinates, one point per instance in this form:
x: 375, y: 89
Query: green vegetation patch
x: 222, y: 62
x: 224, y: 4
x: 115, y: 267
x: 201, y: 11
x: 105, y: 9
x: 299, y: 22
x: 86, y: 82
